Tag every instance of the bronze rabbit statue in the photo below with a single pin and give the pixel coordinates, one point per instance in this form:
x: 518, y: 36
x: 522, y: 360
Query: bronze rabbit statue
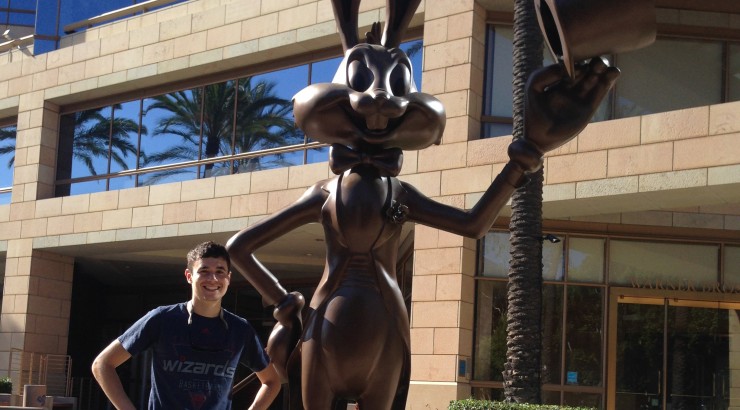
x: 354, y: 343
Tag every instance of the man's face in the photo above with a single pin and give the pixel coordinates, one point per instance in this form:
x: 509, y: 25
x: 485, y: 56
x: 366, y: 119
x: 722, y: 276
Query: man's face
x: 209, y: 278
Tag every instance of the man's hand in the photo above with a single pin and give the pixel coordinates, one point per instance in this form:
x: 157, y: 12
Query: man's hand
x: 557, y: 107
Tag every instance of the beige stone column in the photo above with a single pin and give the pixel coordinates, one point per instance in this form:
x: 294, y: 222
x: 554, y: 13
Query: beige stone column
x: 35, y: 152
x: 442, y: 303
x: 36, y: 301
x: 442, y: 306
x: 454, y: 59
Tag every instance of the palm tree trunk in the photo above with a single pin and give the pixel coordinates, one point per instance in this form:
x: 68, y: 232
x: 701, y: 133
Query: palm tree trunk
x: 524, y: 336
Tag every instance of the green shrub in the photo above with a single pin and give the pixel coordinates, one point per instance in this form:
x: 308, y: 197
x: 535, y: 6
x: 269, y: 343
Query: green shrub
x: 6, y: 385
x: 473, y: 404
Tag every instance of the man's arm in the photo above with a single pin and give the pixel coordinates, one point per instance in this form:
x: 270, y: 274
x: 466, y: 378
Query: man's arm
x: 104, y: 370
x: 269, y: 390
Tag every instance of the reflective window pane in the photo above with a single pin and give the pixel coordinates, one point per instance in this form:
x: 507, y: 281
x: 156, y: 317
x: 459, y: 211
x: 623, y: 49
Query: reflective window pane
x: 414, y: 50
x: 122, y: 182
x: 492, y: 129
x: 323, y: 71
x: 490, y: 328
x: 663, y: 69
x: 218, y: 120
x: 85, y: 143
x: 588, y: 400
x: 672, y: 264
x: 284, y: 83
x: 734, y: 71
x: 586, y: 260
x: 317, y: 155
x: 88, y: 187
x: 7, y: 155
x: 553, y: 261
x: 552, y: 331
x: 215, y: 169
x: 125, y: 136
x: 496, y: 255
x: 172, y: 124
x: 640, y: 351
x: 264, y: 115
x: 732, y: 266
x: 583, y: 336
x: 498, y: 90
x: 483, y: 393
x: 164, y: 177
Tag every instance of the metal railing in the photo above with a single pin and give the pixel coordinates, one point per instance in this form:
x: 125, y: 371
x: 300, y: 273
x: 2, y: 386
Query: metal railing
x: 56, y: 374
x: 17, y: 43
x: 117, y: 14
x: 54, y: 371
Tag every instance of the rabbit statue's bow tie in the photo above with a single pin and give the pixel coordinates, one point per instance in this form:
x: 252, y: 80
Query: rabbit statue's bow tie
x: 387, y: 161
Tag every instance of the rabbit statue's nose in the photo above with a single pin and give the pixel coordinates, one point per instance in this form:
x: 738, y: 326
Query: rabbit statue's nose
x: 378, y: 106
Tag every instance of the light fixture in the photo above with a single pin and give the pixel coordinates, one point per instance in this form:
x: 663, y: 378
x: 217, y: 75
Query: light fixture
x: 6, y: 34
x: 551, y: 238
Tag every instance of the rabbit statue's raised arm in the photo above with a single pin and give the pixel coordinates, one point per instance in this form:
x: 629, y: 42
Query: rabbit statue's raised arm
x: 355, y: 341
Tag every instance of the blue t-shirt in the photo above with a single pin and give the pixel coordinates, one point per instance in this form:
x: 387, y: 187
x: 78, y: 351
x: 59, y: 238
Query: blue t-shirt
x: 193, y: 364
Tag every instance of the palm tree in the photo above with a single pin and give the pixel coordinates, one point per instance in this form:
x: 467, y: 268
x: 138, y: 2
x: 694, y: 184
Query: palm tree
x: 524, y: 336
x: 262, y: 121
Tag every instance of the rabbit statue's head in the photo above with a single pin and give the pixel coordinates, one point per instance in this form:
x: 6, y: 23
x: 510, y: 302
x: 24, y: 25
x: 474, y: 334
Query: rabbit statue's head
x: 372, y: 102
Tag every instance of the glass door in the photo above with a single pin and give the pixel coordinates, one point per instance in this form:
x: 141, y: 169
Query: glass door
x: 673, y: 354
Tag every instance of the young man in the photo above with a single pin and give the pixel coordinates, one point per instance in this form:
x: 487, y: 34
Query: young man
x: 196, y: 345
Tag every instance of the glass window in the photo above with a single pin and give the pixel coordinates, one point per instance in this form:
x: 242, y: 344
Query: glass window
x: 552, y: 332
x: 414, y: 50
x: 661, y: 72
x: 323, y: 71
x: 734, y: 72
x: 496, y: 254
x: 499, y: 74
x: 172, y: 123
x: 490, y: 330
x: 588, y: 400
x: 7, y: 159
x: 125, y: 136
x: 164, y: 177
x: 586, y: 260
x: 553, y: 260
x: 498, y: 88
x: 583, y: 336
x: 732, y: 266
x: 265, y: 120
x: 668, y: 264
x: 91, y: 142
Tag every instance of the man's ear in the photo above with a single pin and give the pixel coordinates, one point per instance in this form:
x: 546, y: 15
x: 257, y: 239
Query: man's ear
x: 188, y: 275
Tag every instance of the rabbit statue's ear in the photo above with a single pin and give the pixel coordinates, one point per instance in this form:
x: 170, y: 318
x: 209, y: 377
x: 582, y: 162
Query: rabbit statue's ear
x: 397, y: 19
x: 345, y: 13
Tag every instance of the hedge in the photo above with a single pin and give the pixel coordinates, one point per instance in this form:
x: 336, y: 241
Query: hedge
x: 473, y: 404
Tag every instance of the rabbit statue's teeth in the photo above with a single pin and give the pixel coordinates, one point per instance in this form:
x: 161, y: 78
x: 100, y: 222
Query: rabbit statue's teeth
x: 376, y: 122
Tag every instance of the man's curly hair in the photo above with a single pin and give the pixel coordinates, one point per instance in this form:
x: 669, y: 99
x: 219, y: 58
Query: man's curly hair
x: 208, y: 249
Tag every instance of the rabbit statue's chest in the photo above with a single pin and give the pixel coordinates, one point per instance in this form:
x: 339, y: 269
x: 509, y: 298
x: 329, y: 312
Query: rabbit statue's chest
x: 360, y: 207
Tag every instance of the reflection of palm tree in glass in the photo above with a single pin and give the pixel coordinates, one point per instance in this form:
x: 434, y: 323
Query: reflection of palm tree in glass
x: 262, y: 121
x: 7, y: 143
x: 94, y: 132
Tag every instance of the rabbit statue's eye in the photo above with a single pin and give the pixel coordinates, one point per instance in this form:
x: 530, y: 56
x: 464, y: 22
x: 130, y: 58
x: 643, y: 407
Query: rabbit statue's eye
x: 400, y: 80
x: 359, y: 76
